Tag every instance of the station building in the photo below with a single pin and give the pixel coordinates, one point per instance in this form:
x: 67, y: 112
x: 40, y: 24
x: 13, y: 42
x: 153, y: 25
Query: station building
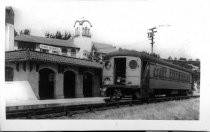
x: 54, y: 68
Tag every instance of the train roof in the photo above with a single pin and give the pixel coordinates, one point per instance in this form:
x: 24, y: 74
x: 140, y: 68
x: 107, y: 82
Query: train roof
x: 145, y: 56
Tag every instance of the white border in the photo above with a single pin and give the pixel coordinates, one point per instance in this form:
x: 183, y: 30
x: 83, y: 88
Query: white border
x: 21, y: 125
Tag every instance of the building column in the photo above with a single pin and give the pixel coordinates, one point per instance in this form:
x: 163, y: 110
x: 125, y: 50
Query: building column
x: 79, y: 86
x: 59, y: 86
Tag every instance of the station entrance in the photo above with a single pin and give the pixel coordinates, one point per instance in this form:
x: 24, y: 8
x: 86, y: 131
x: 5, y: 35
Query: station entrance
x: 46, y: 83
x: 87, y: 84
x: 69, y: 84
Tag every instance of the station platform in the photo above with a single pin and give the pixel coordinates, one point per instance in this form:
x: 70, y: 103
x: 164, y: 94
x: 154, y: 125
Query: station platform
x: 12, y: 105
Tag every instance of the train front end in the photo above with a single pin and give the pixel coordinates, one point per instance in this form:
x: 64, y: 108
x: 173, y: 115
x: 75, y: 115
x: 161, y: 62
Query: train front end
x: 121, y: 75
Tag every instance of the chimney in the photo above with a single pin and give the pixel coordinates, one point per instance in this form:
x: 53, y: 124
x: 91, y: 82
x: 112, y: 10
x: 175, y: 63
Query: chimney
x: 9, y: 29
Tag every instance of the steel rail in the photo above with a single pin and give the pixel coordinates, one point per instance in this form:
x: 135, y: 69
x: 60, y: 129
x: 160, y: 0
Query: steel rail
x: 58, y: 111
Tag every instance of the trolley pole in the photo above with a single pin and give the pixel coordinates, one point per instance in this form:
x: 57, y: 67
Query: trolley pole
x: 151, y: 35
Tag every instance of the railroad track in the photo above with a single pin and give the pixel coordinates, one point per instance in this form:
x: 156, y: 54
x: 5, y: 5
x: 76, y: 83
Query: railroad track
x: 53, y: 112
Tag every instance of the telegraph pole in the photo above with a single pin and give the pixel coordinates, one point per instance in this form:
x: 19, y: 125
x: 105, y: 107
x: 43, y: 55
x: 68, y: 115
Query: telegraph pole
x: 151, y: 35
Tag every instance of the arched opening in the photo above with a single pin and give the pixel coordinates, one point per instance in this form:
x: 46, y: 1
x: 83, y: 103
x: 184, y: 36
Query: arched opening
x: 69, y: 84
x: 87, y: 84
x: 9, y: 73
x: 46, y: 83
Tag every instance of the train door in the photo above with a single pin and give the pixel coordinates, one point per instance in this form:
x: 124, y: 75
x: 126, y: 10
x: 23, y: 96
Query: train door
x: 120, y: 70
x: 133, y: 71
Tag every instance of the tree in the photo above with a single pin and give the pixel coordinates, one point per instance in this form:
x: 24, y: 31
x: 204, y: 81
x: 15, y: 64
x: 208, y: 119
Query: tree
x: 155, y: 55
x: 197, y: 59
x: 67, y: 35
x: 25, y: 32
x: 169, y: 58
x: 58, y: 35
x: 182, y: 59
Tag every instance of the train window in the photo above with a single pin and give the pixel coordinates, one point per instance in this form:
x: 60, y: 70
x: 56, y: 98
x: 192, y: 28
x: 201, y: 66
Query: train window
x: 154, y: 75
x: 162, y: 72
x: 157, y: 72
x: 133, y: 64
x: 107, y: 65
x: 165, y: 71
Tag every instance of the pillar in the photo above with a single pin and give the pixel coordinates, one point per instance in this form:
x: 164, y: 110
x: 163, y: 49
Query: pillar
x: 79, y: 86
x: 59, y: 86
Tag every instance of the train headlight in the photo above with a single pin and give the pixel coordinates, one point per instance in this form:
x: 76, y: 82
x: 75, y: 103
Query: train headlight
x: 107, y: 65
x: 107, y: 81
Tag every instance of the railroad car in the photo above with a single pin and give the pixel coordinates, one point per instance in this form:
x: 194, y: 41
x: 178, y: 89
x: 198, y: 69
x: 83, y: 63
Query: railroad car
x: 140, y: 75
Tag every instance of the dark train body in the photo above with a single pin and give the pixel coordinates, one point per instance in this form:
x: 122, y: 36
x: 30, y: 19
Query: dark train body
x: 143, y: 76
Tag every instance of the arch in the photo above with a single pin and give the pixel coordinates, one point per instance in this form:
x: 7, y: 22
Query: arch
x: 48, y: 67
x: 46, y: 83
x: 88, y: 84
x: 9, y: 73
x: 69, y: 81
x: 81, y: 22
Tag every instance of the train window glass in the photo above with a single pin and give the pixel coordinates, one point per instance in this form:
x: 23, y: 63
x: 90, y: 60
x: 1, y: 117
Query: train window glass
x: 154, y: 75
x: 107, y: 65
x: 170, y: 76
x: 133, y: 64
x: 165, y: 71
x: 157, y: 72
x: 160, y: 72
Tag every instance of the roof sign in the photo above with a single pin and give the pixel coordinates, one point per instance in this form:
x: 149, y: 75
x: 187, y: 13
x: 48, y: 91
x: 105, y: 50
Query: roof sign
x: 50, y: 48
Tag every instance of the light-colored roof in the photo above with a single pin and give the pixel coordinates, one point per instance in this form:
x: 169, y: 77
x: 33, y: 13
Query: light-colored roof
x: 104, y: 48
x: 48, y: 41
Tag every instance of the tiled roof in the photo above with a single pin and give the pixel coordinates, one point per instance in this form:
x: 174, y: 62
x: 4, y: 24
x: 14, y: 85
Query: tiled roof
x: 104, y: 48
x: 48, y: 41
x: 24, y: 55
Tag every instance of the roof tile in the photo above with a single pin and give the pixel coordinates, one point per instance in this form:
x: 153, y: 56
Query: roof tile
x: 48, y: 41
x: 24, y: 55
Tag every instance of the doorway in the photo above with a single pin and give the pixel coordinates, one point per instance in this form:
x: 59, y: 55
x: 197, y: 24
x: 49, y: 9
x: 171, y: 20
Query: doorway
x: 69, y: 84
x: 46, y: 83
x: 87, y: 84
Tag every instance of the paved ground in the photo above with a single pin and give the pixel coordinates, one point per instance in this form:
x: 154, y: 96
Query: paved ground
x: 32, y: 104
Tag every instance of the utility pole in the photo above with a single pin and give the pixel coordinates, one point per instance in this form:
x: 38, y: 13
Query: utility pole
x: 151, y: 35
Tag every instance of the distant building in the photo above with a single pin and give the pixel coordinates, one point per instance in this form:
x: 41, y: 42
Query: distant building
x: 102, y: 49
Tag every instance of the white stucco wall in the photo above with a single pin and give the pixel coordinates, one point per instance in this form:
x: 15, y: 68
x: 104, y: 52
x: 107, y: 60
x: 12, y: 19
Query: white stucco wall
x: 9, y: 37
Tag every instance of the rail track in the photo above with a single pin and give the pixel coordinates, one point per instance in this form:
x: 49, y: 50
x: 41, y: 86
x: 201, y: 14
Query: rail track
x: 53, y: 112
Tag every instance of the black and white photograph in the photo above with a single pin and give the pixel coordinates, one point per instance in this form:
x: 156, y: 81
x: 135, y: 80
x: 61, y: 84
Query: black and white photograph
x: 81, y: 64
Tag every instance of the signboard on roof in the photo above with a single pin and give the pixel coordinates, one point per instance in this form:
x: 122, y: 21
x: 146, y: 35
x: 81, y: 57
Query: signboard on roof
x: 50, y: 48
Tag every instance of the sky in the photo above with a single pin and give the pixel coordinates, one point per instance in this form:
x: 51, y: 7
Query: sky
x: 124, y: 23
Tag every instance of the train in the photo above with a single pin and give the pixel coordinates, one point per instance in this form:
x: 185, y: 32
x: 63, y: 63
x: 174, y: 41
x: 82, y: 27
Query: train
x: 140, y: 76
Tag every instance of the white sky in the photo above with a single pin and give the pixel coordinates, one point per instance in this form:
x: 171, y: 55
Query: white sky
x: 124, y: 23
